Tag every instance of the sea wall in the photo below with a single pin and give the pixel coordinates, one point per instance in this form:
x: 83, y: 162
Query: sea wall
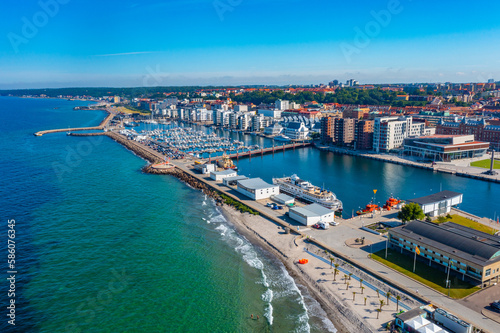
x: 400, y: 161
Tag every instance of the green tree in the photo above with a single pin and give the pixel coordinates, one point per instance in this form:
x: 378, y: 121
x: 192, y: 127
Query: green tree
x: 378, y: 312
x: 410, y: 212
x: 398, y: 298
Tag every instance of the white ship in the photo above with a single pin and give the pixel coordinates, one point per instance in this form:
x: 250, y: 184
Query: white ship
x: 307, y: 192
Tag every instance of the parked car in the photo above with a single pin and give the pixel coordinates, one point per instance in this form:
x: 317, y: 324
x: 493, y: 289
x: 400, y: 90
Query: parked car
x: 334, y: 223
x: 269, y: 204
x: 495, y: 306
x: 316, y: 226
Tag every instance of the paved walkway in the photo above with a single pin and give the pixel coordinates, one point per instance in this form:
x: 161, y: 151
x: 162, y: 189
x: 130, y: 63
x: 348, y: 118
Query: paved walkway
x: 349, y: 229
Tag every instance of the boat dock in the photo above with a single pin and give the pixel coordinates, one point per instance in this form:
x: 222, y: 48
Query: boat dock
x: 265, y: 151
x: 101, y: 126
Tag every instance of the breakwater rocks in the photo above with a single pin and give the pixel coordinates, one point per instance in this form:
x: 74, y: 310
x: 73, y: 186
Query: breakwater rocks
x: 188, y: 179
x: 137, y: 148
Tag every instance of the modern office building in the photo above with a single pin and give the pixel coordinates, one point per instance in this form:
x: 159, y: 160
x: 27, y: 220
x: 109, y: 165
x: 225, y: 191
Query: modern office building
x: 470, y: 254
x: 445, y: 148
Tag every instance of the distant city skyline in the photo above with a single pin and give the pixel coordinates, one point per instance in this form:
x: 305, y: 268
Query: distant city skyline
x: 63, y: 43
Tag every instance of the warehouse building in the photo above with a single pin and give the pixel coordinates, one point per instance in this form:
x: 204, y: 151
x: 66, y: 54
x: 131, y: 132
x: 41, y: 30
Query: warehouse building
x: 220, y: 175
x: 312, y: 214
x: 256, y: 188
x: 283, y: 199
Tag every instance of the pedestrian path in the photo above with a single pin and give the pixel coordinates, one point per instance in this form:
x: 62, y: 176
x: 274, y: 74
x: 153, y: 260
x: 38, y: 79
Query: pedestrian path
x: 365, y: 283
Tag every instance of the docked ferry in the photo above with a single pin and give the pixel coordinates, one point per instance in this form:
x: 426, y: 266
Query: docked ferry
x: 305, y: 191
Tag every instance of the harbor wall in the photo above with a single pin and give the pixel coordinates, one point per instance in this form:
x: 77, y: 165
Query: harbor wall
x: 390, y: 159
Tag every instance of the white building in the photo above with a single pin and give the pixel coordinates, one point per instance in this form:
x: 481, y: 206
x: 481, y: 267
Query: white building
x: 242, y: 108
x: 283, y: 199
x: 233, y: 120
x: 274, y: 129
x: 203, y: 115
x: 390, y: 132
x: 312, y: 214
x: 256, y: 188
x: 438, y: 203
x: 231, y: 181
x: 220, y: 175
x: 282, y: 105
x: 270, y: 113
x: 244, y: 121
x: 296, y: 131
x: 221, y: 117
x: 257, y: 123
x: 205, y: 168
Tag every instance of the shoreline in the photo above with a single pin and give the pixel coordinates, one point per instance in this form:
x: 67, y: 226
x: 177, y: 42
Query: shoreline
x: 335, y: 310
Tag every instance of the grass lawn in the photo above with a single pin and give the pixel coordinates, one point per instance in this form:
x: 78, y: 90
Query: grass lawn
x: 469, y: 223
x: 486, y: 164
x: 429, y: 276
x: 130, y: 111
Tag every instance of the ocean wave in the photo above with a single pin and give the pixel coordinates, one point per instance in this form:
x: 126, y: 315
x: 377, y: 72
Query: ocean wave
x: 315, y: 310
x: 218, y: 219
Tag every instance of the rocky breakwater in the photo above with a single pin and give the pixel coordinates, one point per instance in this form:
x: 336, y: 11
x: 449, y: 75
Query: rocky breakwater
x: 135, y: 147
x: 186, y: 178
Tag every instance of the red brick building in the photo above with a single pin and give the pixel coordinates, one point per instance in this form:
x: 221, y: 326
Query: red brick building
x: 481, y: 130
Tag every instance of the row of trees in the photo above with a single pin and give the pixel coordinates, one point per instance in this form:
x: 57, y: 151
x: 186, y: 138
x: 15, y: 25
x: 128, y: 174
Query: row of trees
x: 342, y: 96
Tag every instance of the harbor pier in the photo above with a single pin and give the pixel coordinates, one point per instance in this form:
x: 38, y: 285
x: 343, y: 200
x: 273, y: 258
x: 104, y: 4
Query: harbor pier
x: 101, y: 126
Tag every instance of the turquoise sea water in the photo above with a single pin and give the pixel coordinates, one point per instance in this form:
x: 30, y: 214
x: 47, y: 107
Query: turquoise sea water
x: 102, y: 247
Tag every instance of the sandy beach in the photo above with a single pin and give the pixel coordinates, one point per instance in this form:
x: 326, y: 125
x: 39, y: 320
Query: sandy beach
x: 335, y: 294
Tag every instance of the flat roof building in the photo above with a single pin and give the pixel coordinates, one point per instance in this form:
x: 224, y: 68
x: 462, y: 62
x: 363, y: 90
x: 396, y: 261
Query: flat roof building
x: 438, y: 203
x: 445, y: 147
x: 220, y: 175
x: 256, y: 188
x: 231, y: 181
x: 283, y: 199
x: 471, y: 254
x: 311, y: 214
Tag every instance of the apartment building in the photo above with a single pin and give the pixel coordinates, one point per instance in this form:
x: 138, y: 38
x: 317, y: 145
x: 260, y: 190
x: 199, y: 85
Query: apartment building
x: 389, y: 132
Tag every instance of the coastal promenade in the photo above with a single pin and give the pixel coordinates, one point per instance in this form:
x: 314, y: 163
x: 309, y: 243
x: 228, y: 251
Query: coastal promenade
x: 352, y: 228
x: 101, y: 126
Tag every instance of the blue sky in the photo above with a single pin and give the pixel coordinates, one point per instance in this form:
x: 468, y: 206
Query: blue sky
x: 224, y: 42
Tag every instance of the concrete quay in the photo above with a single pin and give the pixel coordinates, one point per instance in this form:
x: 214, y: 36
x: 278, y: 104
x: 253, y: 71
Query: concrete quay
x: 457, y: 168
